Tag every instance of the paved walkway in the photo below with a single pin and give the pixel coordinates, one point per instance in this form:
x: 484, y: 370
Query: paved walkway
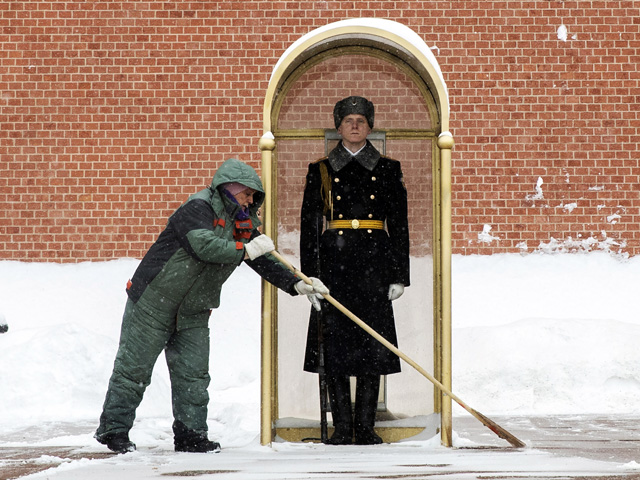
x: 597, y: 437
x: 614, y: 439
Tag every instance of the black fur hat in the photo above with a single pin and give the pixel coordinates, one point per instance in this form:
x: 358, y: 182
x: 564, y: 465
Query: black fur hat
x: 350, y: 105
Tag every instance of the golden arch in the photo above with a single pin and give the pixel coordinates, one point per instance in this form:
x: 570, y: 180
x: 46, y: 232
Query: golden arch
x: 401, y: 42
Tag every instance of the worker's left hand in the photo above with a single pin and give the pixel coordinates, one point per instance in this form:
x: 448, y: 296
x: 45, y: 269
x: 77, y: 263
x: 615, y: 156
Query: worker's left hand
x: 314, y: 292
x: 259, y: 246
x: 395, y: 291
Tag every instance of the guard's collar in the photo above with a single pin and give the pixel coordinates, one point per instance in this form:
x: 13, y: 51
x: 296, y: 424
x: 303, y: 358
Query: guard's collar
x: 367, y: 156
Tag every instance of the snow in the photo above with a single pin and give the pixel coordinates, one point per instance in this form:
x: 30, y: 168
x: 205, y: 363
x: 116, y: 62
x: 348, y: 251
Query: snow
x: 485, y: 236
x: 562, y: 33
x: 539, y: 195
x: 536, y: 334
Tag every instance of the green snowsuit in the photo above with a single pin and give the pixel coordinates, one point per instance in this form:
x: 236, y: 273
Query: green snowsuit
x: 171, y: 295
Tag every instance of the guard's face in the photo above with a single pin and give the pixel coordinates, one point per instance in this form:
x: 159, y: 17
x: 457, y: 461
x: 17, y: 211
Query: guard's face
x: 245, y: 197
x: 354, y: 129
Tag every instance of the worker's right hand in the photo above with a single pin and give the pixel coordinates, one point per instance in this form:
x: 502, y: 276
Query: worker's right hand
x: 314, y: 292
x: 259, y: 246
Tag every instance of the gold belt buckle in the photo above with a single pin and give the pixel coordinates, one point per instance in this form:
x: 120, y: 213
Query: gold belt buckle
x: 355, y: 224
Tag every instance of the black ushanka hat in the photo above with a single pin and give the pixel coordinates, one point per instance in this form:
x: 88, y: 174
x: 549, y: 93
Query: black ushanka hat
x: 351, y: 105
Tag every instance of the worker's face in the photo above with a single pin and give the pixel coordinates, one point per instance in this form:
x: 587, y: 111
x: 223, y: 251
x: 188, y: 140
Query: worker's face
x: 354, y: 130
x: 245, y: 197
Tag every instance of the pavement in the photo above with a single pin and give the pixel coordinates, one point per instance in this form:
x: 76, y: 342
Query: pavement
x: 596, y: 437
x: 605, y: 438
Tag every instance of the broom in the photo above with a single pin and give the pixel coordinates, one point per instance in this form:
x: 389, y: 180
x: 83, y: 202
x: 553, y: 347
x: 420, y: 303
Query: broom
x: 487, y: 422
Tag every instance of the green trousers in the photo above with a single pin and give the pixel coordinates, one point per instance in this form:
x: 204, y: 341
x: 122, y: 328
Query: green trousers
x: 146, y: 331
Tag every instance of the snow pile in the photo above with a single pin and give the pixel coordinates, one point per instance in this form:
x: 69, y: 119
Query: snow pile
x: 547, y: 334
x: 534, y: 334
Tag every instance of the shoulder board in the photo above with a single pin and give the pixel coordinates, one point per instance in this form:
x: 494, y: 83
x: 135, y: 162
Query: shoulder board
x: 320, y: 160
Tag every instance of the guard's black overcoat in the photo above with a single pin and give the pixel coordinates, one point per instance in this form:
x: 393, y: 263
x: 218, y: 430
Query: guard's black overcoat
x: 357, y: 265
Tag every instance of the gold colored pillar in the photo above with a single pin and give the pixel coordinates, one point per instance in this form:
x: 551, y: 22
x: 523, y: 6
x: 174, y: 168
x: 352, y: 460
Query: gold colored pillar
x: 445, y: 143
x: 268, y: 387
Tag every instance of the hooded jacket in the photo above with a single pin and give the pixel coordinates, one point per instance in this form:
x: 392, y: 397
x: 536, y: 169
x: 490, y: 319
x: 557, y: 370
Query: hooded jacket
x: 201, y: 246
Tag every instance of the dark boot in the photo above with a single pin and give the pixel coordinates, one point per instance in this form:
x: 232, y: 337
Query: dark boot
x: 340, y: 400
x: 367, y: 388
x: 186, y: 440
x: 118, y: 442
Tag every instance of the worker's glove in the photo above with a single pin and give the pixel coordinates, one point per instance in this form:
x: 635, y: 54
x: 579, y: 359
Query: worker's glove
x: 395, y: 291
x: 313, y: 292
x: 259, y: 246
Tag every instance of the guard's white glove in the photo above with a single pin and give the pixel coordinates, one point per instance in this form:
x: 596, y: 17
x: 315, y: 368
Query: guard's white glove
x: 395, y: 291
x: 259, y: 246
x: 313, y: 292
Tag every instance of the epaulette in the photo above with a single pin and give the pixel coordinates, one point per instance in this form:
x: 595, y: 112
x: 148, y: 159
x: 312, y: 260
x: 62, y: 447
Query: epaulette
x: 320, y: 159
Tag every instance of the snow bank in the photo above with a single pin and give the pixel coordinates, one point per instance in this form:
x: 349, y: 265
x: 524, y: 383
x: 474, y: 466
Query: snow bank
x: 535, y: 334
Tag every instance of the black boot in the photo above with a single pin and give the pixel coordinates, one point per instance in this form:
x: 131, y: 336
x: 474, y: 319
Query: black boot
x: 118, y: 442
x: 186, y: 440
x: 340, y: 400
x: 367, y: 388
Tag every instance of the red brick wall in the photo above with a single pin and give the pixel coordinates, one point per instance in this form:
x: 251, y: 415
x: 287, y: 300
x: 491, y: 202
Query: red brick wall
x: 111, y: 113
x: 309, y: 103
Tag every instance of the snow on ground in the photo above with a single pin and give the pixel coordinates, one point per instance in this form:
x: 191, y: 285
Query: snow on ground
x: 533, y: 335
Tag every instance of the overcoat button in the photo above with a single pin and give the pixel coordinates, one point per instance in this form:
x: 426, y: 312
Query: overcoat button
x: 340, y: 216
x: 339, y: 232
x: 338, y: 197
x: 373, y: 178
x: 372, y: 197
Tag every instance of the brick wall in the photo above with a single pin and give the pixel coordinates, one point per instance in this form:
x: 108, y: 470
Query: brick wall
x: 111, y: 113
x: 308, y: 105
